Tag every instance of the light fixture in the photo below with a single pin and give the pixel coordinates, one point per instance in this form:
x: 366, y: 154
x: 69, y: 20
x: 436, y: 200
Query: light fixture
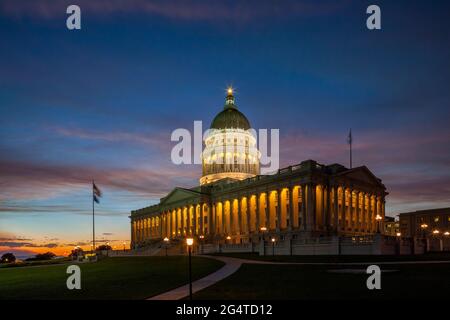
x: 263, y: 229
x: 228, y: 238
x: 436, y: 231
x: 446, y: 233
x: 378, y: 217
x: 189, y: 241
x: 273, y: 239
x: 399, y: 234
x: 424, y: 226
x: 166, y: 239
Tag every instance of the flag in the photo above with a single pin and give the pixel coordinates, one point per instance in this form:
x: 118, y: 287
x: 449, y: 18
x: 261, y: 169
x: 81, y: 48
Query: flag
x: 350, y: 138
x: 96, y: 193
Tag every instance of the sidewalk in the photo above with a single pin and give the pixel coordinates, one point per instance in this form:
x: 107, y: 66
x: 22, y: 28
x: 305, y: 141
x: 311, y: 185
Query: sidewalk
x: 231, y: 266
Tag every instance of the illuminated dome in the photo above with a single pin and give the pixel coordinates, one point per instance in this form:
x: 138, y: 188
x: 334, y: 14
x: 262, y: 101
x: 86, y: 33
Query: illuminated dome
x: 230, y: 117
x: 230, y: 147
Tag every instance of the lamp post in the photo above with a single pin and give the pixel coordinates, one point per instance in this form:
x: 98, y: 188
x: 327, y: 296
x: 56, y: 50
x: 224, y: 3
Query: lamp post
x: 263, y: 230
x: 398, y: 234
x: 201, y: 237
x: 166, y: 244
x: 378, y: 218
x: 424, y: 226
x: 273, y: 246
x: 124, y: 243
x: 190, y: 242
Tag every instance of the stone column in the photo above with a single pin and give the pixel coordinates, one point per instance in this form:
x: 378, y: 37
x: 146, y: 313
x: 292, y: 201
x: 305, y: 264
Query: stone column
x: 369, y: 215
x: 291, y: 207
x: 310, y: 206
x: 324, y: 207
x: 248, y: 214
x: 343, y: 209
x: 213, y: 215
x: 239, y: 216
x: 336, y: 208
x: 257, y: 221
x: 207, y: 230
x: 177, y: 222
x: 303, y: 187
x: 352, y: 211
x: 232, y: 217
x: 188, y: 219
x: 202, y: 212
x: 267, y: 211
x: 357, y: 212
x: 278, y: 211
x: 194, y: 219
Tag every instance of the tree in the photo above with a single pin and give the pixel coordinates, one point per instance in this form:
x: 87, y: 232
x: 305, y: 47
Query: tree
x: 8, y: 258
x: 77, y: 252
x: 42, y: 256
x: 104, y: 247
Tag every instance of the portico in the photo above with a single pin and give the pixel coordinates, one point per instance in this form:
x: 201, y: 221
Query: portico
x: 305, y: 200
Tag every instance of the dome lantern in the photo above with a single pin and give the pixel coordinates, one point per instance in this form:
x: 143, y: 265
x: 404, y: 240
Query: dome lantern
x: 230, y: 117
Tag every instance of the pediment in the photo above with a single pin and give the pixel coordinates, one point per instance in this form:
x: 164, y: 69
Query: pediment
x: 179, y: 194
x: 363, y: 175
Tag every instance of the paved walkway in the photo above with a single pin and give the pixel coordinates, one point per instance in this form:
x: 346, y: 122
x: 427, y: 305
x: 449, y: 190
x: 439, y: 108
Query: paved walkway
x: 230, y: 267
x: 233, y: 264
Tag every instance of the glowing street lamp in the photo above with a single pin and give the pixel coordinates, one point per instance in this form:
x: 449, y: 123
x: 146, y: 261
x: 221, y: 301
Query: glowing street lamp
x: 190, y: 242
x: 446, y: 233
x: 378, y: 218
x: 436, y: 231
x: 273, y: 246
x: 424, y: 226
x: 398, y: 234
x: 166, y: 241
x: 124, y: 243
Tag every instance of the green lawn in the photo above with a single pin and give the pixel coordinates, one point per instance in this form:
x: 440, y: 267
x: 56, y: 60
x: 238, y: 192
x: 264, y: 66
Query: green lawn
x: 316, y: 282
x: 112, y: 278
x: 444, y: 256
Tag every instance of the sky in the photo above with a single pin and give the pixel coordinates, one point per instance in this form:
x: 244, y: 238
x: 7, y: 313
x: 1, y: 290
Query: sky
x: 101, y: 102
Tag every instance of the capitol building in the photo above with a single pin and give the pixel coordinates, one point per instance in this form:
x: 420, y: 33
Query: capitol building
x: 235, y: 204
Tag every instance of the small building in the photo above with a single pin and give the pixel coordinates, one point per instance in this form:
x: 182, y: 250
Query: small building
x: 425, y: 222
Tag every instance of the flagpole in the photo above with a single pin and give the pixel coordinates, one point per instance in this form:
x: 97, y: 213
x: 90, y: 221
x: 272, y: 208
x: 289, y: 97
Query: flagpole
x: 350, y: 141
x: 93, y: 218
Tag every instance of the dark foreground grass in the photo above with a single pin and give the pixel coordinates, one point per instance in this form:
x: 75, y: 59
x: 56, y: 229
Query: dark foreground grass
x: 288, y: 282
x: 438, y: 256
x: 113, y: 278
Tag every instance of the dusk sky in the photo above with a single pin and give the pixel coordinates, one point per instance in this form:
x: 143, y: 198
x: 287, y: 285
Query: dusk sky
x: 101, y: 102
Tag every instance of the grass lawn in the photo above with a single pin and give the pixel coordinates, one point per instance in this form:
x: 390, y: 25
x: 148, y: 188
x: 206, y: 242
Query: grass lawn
x: 253, y: 281
x: 438, y: 256
x: 111, y: 278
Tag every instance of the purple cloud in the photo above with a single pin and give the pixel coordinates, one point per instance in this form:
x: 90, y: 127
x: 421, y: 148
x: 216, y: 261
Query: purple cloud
x: 204, y: 10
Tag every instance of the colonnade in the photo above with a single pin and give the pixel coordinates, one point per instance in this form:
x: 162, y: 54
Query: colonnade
x: 306, y: 207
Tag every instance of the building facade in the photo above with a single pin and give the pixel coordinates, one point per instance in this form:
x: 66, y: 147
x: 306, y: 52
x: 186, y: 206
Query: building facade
x: 391, y: 226
x: 235, y: 204
x: 432, y: 222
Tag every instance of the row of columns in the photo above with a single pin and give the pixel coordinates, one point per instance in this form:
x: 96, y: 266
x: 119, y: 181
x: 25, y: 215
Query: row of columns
x: 306, y: 207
